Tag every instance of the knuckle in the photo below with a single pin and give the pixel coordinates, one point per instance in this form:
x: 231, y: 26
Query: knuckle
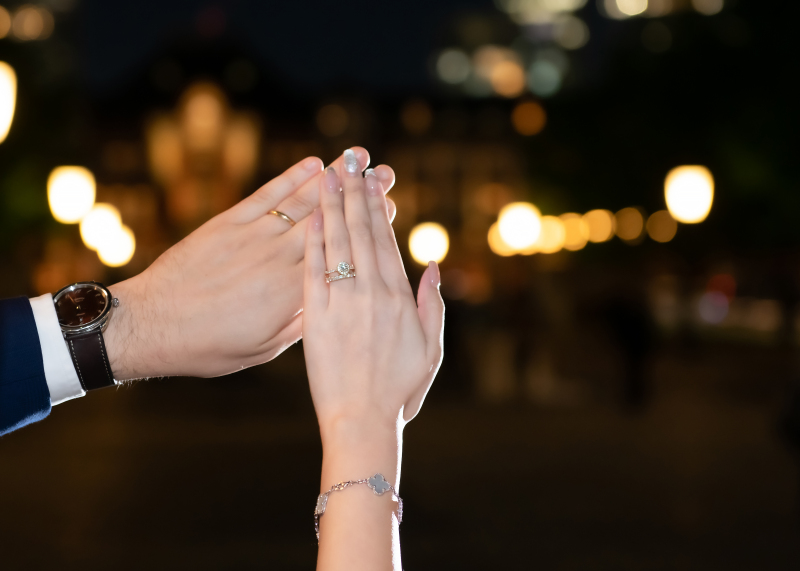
x: 361, y: 230
x: 298, y: 203
x: 340, y: 241
x: 262, y: 196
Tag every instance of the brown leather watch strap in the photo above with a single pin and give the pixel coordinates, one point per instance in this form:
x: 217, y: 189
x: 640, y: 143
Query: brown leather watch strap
x: 89, y: 355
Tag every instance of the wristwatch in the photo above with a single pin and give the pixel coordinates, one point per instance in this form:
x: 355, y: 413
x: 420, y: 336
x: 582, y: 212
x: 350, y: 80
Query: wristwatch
x: 83, y: 311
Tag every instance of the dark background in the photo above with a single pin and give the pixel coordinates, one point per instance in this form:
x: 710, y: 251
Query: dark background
x: 586, y: 415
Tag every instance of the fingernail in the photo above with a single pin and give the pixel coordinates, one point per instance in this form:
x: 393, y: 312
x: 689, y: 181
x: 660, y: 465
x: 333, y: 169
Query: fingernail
x: 350, y: 161
x: 374, y: 186
x: 316, y: 219
x: 436, y: 278
x: 331, y: 180
x: 312, y: 164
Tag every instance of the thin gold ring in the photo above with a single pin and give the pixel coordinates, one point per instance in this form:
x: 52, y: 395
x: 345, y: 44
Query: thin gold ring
x: 282, y: 215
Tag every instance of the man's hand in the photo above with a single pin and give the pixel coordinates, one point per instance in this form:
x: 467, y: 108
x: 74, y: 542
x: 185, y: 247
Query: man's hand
x: 228, y: 296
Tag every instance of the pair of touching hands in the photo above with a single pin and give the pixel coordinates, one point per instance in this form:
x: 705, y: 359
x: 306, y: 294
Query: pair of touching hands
x: 246, y: 285
x: 228, y: 296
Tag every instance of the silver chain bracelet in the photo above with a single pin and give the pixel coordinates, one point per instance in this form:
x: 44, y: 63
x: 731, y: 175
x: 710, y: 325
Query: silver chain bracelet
x: 377, y: 483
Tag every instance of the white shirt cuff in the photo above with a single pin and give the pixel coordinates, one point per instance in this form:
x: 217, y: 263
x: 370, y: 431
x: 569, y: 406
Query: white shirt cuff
x: 59, y: 371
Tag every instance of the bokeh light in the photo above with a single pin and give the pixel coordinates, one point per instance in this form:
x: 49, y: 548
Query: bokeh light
x: 117, y: 248
x: 571, y: 32
x: 601, y: 225
x: 332, y: 120
x: 661, y: 226
x: 99, y: 224
x: 70, y: 192
x: 241, y: 146
x: 519, y: 224
x: 203, y: 117
x: 8, y: 98
x: 508, y: 79
x: 551, y: 239
x: 453, y: 66
x: 5, y: 22
x: 713, y: 307
x: 537, y: 12
x: 544, y: 77
x: 31, y: 23
x: 708, y: 7
x: 528, y: 118
x: 657, y: 8
x: 689, y: 192
x: 488, y: 57
x: 497, y: 244
x: 629, y: 224
x: 164, y: 150
x: 576, y: 231
x: 428, y: 241
x: 631, y: 7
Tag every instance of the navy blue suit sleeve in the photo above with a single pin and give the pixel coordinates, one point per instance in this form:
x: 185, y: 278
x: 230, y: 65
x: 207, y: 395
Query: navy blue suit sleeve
x: 24, y: 396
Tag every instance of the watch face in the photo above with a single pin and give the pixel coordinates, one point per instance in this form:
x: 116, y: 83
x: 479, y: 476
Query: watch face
x: 80, y: 306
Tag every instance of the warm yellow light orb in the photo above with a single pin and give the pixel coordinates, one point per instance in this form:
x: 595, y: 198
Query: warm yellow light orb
x: 551, y: 239
x: 8, y: 98
x: 576, y: 231
x: 428, y: 241
x: 630, y: 224
x: 601, y: 225
x: 5, y: 22
x: 689, y: 191
x: 631, y: 7
x: 70, y: 192
x: 528, y: 118
x: 508, y: 79
x: 520, y: 224
x: 102, y: 221
x: 497, y: 244
x: 661, y: 226
x: 117, y: 248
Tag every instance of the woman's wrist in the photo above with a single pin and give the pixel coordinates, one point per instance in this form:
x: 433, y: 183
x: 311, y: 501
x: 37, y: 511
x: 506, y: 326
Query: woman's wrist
x: 358, y: 447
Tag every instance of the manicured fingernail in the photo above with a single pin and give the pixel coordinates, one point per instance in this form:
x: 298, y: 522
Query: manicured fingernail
x: 316, y: 219
x: 331, y: 180
x: 436, y: 278
x: 350, y: 161
x: 374, y: 186
x: 312, y: 164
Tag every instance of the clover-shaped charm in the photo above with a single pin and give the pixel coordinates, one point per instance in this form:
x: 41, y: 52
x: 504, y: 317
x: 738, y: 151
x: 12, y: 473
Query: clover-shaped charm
x: 379, y: 484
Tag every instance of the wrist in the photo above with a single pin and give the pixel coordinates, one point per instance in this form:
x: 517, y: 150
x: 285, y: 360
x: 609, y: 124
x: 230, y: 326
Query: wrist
x: 355, y: 448
x: 124, y: 336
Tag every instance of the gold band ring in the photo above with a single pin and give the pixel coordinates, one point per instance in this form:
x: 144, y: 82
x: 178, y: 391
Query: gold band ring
x: 282, y: 215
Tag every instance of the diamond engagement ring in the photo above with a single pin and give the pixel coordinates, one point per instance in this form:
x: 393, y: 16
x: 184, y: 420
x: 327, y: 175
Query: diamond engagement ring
x: 342, y: 271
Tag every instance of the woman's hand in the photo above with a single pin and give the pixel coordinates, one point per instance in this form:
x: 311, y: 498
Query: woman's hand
x: 226, y: 297
x: 371, y: 353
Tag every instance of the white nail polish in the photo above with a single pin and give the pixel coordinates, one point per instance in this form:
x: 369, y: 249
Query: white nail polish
x: 369, y: 172
x: 350, y: 161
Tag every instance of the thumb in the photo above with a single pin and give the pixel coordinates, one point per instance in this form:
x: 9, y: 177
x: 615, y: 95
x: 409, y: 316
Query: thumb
x: 430, y: 307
